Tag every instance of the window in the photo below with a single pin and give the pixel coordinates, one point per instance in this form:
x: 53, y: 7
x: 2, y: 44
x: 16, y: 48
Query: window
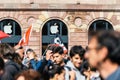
x: 99, y: 25
x: 12, y: 28
x: 49, y: 30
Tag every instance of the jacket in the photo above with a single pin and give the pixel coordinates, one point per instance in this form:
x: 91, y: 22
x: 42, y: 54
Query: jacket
x: 79, y: 76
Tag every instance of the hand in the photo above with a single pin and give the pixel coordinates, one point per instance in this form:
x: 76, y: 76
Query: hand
x: 72, y: 75
x: 87, y: 74
x: 48, y: 54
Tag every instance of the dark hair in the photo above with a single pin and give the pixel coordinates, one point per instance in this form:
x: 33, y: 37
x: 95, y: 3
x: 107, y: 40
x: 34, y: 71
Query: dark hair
x: 17, y: 58
x: 30, y: 50
x: 52, y: 69
x: 1, y: 64
x: 77, y: 50
x: 58, y: 49
x: 6, y: 51
x: 84, y: 66
x: 110, y: 40
x: 52, y: 46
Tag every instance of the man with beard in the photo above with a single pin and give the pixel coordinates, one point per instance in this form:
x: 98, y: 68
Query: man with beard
x: 58, y: 56
x: 103, y: 53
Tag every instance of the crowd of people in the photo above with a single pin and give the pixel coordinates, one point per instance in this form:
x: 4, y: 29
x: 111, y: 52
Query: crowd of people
x: 100, y: 60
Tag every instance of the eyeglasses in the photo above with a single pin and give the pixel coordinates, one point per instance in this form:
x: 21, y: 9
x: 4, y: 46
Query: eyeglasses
x: 89, y: 49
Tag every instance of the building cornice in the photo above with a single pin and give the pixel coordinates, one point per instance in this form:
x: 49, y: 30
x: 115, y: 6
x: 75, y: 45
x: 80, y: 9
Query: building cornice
x: 59, y: 7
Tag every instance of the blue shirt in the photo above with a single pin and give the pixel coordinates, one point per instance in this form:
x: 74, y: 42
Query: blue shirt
x: 39, y: 64
x: 115, y: 75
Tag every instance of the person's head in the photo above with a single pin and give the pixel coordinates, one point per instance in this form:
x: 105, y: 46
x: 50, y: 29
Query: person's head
x: 6, y: 51
x: 28, y: 75
x: 54, y: 71
x: 58, y: 55
x: 85, y: 67
x: 77, y: 55
x: 30, y: 53
x: 49, y: 51
x: 20, y: 50
x: 88, y: 71
x: 103, y: 46
x: 17, y: 58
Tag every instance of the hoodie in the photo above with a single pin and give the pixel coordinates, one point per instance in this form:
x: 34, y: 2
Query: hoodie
x: 79, y: 76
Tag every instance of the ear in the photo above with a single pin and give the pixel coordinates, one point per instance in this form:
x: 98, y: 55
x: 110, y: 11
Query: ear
x: 63, y: 55
x: 103, y: 53
x: 56, y: 76
x: 71, y: 59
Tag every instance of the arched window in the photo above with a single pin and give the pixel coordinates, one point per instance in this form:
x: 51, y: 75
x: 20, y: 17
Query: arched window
x: 99, y: 25
x: 12, y: 28
x: 48, y: 32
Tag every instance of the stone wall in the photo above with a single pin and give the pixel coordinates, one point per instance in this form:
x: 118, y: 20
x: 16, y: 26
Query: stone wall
x: 63, y: 1
x: 77, y: 34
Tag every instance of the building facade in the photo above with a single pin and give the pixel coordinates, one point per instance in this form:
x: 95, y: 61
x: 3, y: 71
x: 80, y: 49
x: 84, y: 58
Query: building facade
x: 74, y: 21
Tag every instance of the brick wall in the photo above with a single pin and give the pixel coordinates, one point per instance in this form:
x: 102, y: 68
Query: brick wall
x: 77, y: 35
